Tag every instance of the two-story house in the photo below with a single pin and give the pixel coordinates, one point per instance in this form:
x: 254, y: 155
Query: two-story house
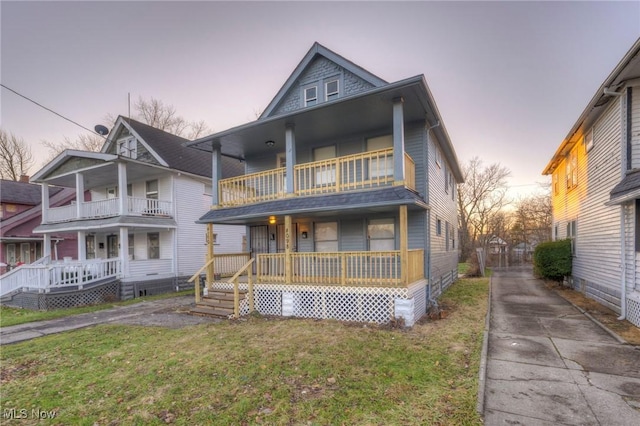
x: 596, y: 191
x: 147, y: 191
x: 20, y: 214
x: 348, y: 194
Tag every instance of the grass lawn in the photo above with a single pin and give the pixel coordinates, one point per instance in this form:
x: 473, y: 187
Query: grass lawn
x: 13, y: 316
x: 257, y: 371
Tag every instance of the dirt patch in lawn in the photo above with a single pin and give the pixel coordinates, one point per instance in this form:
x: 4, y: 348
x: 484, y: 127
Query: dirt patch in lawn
x: 606, y: 316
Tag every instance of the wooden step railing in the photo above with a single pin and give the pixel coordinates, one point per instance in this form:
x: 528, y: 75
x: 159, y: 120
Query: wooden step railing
x: 236, y: 289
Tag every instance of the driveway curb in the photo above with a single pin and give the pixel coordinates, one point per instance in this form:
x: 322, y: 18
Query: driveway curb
x: 482, y: 371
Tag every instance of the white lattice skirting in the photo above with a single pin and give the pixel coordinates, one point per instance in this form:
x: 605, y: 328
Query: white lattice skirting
x: 633, y: 308
x: 361, y: 304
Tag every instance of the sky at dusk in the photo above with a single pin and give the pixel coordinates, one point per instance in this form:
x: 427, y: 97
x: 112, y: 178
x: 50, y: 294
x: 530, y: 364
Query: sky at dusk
x: 509, y: 78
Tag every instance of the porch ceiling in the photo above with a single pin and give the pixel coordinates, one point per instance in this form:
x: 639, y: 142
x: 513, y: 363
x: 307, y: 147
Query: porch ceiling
x: 326, y: 121
x: 361, y: 203
x: 106, y: 175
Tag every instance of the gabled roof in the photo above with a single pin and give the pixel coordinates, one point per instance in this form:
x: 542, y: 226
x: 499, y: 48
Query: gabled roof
x: 627, y: 69
x: 57, y: 196
x: 319, y: 50
x: 29, y: 194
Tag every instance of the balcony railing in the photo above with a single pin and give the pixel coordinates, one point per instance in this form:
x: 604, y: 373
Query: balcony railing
x: 352, y: 172
x: 110, y: 208
x: 363, y: 269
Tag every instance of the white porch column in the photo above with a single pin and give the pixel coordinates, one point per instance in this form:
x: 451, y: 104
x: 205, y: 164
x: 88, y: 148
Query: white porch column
x: 79, y: 194
x: 124, y: 251
x: 216, y: 173
x: 46, y: 246
x: 398, y: 140
x: 290, y: 147
x: 122, y: 189
x: 45, y: 201
x: 82, y: 245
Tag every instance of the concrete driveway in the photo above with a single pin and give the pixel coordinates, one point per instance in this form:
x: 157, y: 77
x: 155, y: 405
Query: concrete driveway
x: 549, y: 364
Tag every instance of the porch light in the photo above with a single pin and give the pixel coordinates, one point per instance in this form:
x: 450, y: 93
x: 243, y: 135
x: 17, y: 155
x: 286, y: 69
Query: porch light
x: 270, y: 143
x: 272, y: 220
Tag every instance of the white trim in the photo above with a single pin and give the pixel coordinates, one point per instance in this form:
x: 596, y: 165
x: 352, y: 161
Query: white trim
x: 71, y: 153
x: 121, y: 121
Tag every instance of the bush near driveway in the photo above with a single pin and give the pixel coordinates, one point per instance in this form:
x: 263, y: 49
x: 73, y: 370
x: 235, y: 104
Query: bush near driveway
x: 552, y: 260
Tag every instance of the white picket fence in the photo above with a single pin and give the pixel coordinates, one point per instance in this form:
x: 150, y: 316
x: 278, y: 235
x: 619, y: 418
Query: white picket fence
x: 45, y: 277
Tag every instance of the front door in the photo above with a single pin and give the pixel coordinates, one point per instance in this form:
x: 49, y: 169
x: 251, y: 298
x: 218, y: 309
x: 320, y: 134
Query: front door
x: 112, y: 246
x: 259, y: 240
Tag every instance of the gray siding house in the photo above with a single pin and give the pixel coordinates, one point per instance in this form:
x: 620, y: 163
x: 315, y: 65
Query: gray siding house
x: 348, y: 195
x: 596, y: 191
x: 136, y: 232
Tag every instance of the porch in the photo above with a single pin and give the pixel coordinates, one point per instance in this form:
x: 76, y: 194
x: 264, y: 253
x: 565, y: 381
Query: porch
x: 372, y: 169
x: 110, y: 208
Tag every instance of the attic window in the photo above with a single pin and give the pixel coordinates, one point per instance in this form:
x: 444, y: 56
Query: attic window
x: 127, y: 147
x: 331, y: 89
x: 310, y: 96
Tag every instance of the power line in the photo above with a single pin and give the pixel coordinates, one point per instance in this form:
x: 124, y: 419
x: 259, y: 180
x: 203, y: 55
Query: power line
x: 52, y: 111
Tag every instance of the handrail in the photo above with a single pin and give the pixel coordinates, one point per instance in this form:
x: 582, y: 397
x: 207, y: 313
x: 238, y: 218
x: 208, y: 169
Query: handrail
x: 197, y: 274
x: 236, y: 290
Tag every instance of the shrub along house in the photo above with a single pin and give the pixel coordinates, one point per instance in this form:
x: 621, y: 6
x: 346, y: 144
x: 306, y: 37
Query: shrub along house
x: 137, y: 236
x: 348, y: 195
x: 596, y: 192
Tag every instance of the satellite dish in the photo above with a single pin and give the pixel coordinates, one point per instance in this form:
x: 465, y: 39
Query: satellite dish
x: 101, y: 130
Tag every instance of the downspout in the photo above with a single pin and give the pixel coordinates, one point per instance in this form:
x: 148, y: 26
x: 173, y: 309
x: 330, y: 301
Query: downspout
x: 623, y: 283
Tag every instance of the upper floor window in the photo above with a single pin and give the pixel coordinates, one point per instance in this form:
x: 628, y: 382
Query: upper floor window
x: 588, y: 141
x: 556, y: 187
x: 572, y: 170
x: 311, y: 96
x: 332, y: 89
x: 152, y: 189
x: 128, y: 147
x: 438, y: 157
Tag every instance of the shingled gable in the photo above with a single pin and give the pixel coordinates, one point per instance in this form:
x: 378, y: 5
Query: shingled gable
x: 295, y: 79
x: 29, y: 194
x: 170, y: 151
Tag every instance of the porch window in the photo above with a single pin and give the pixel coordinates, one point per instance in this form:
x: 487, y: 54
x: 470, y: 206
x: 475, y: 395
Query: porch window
x: 326, y: 236
x: 90, y: 244
x: 11, y: 254
x: 153, y: 245
x: 380, y: 167
x: 311, y: 96
x: 325, y: 175
x: 131, y: 239
x: 25, y: 253
x: 112, y: 192
x: 152, y: 189
x: 381, y: 234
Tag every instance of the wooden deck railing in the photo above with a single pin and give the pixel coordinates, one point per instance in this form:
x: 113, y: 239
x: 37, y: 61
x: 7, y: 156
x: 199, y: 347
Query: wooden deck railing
x: 352, y: 172
x: 365, y: 268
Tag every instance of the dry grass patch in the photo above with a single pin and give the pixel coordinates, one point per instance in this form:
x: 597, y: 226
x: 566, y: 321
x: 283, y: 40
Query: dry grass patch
x: 258, y: 371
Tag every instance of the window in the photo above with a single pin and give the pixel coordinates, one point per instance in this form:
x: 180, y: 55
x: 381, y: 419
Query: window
x: 382, y: 166
x: 572, y: 234
x: 381, y: 235
x: 25, y: 253
x: 331, y: 89
x: 127, y: 147
x: 446, y: 179
x: 572, y: 170
x: 11, y: 254
x: 325, y: 173
x: 90, y: 244
x: 556, y: 188
x: 555, y: 232
x: 152, y: 189
x: 326, y: 236
x: 453, y: 187
x: 438, y: 157
x: 153, y: 245
x: 131, y: 239
x: 310, y: 96
x: 438, y: 227
x: 112, y: 192
x: 588, y: 141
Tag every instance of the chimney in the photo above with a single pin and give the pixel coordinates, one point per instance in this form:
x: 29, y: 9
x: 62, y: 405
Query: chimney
x: 24, y: 178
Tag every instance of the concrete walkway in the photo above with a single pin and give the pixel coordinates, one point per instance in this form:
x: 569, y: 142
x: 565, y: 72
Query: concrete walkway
x: 548, y: 364
x: 170, y: 312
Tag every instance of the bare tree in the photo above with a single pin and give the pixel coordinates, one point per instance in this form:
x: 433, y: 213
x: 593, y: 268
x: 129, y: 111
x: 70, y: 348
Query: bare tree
x: 532, y: 219
x: 15, y: 156
x: 482, y: 195
x: 156, y: 113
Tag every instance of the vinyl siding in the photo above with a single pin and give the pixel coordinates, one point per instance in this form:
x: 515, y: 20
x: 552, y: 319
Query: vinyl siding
x: 635, y: 128
x: 443, y: 207
x: 352, y: 235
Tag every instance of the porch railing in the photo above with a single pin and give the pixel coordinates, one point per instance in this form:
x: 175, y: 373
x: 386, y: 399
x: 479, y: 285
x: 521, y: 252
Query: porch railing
x: 366, y: 268
x: 352, y: 172
x: 253, y: 188
x: 58, y: 275
x: 109, y: 208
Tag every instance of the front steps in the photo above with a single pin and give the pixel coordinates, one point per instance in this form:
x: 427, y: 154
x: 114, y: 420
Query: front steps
x: 217, y: 304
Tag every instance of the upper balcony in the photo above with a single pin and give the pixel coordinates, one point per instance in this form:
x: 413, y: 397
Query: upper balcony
x: 109, y: 208
x: 372, y: 169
